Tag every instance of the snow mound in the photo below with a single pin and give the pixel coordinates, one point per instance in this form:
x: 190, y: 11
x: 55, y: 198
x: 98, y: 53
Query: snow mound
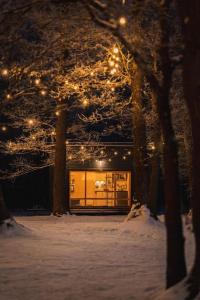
x: 144, y: 225
x: 10, y: 228
x: 177, y: 292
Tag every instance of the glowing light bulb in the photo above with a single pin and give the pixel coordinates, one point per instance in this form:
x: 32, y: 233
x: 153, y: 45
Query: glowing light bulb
x: 85, y: 102
x: 82, y: 147
x: 57, y: 113
x: 102, y: 152
x: 37, y: 81
x: 30, y: 122
x: 129, y: 152
x: 111, y: 63
x: 124, y: 157
x: 8, y: 96
x: 43, y: 92
x: 67, y: 142
x: 115, y: 50
x: 109, y: 159
x: 70, y: 157
x: 4, y: 128
x: 112, y: 89
x: 122, y: 21
x: 92, y: 73
x: 115, y: 153
x: 4, y: 72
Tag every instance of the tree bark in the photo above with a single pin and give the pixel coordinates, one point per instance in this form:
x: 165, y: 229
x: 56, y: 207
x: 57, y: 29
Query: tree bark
x: 190, y: 18
x: 176, y: 266
x: 139, y: 140
x: 60, y: 203
x: 155, y: 162
x: 4, y: 213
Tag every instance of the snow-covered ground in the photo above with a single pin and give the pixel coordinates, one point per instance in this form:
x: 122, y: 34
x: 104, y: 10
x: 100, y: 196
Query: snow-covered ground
x: 83, y: 257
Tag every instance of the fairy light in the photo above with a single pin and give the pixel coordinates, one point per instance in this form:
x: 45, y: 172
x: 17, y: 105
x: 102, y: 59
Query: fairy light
x: 92, y: 73
x: 66, y: 82
x: 122, y: 21
x: 4, y: 72
x: 111, y: 63
x: 102, y: 152
x: 112, y: 89
x: 8, y: 96
x: 129, y: 152
x: 43, y: 92
x: 57, y: 113
x: 30, y: 122
x: 67, y: 142
x: 37, y: 81
x: 85, y: 102
x: 115, y: 50
x: 115, y: 153
x: 124, y: 157
x: 82, y: 147
x: 3, y: 128
x: 70, y: 157
x: 109, y: 159
x: 53, y: 132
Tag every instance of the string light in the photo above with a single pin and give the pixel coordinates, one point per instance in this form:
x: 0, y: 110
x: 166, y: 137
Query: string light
x: 122, y: 21
x: 30, y: 122
x: 124, y: 157
x: 112, y: 89
x: 82, y: 147
x: 70, y: 157
x: 57, y: 113
x: 109, y: 159
x: 37, y: 81
x: 102, y: 152
x: 4, y: 128
x: 115, y: 50
x: 85, y: 102
x: 111, y: 63
x: 4, y: 72
x: 8, y: 96
x: 115, y: 153
x: 43, y: 92
x: 67, y: 142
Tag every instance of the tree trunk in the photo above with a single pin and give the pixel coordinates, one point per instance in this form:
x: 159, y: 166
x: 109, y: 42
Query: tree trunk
x: 176, y: 266
x: 155, y: 163
x: 154, y: 179
x: 60, y: 205
x: 190, y: 18
x: 4, y: 213
x: 139, y: 140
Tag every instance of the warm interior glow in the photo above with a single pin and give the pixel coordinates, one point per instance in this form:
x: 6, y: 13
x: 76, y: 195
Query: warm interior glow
x: 90, y: 188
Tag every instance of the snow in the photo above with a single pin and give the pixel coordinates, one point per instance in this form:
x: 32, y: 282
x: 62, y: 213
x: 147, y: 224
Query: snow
x: 84, y: 257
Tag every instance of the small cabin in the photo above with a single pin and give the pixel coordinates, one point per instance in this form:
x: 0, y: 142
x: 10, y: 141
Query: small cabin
x: 102, y: 184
